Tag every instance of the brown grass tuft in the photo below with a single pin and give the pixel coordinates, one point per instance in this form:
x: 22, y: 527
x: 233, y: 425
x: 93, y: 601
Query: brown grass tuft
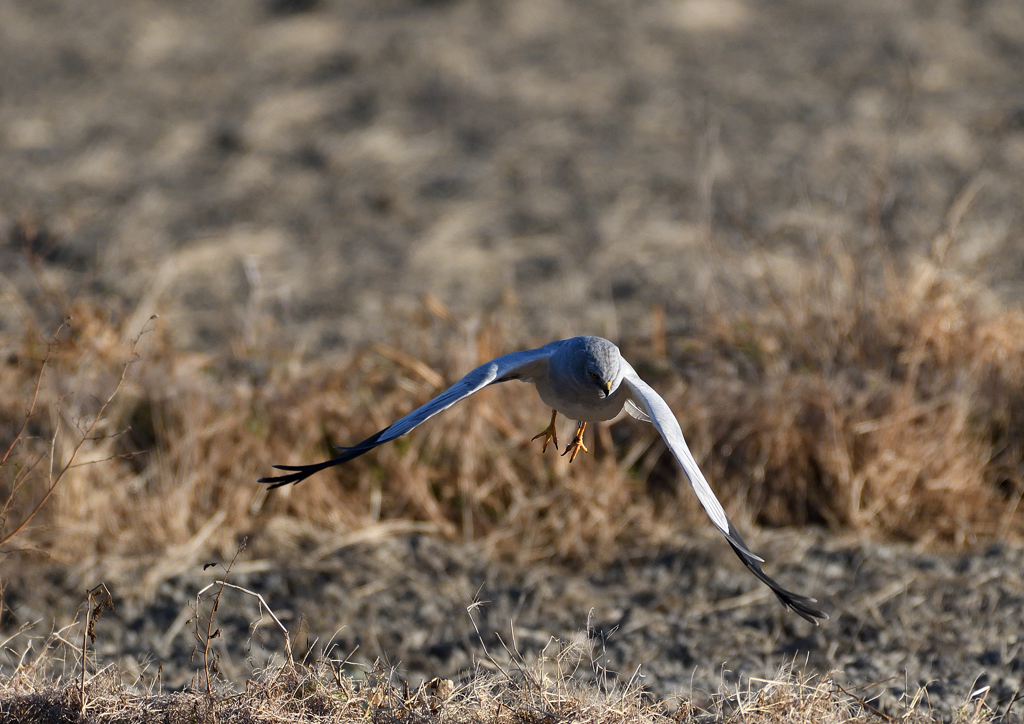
x: 893, y: 404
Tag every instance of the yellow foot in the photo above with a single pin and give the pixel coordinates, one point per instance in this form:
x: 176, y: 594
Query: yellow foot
x: 573, y: 448
x: 548, y: 434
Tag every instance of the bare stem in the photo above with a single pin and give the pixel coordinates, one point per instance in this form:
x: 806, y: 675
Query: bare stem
x: 35, y: 394
x: 78, y: 447
x: 101, y: 594
x: 210, y: 633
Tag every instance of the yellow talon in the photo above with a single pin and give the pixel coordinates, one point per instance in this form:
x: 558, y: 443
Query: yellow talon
x: 577, y: 442
x: 548, y: 434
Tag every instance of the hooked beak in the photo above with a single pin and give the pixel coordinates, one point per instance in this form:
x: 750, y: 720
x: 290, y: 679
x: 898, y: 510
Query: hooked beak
x: 608, y: 387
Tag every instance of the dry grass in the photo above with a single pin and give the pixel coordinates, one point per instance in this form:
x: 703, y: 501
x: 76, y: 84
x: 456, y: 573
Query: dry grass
x: 564, y: 683
x: 892, y: 403
x: 317, y: 693
x: 887, y: 401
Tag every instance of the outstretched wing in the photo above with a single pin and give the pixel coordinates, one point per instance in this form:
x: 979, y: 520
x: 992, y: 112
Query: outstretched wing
x: 665, y: 421
x: 526, y: 365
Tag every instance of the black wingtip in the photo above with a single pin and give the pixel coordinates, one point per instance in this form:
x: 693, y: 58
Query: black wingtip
x: 798, y: 604
x: 801, y: 605
x: 296, y: 477
x: 301, y: 472
x: 298, y: 473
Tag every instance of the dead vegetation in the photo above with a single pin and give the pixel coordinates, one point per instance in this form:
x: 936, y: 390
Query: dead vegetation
x: 566, y: 681
x: 886, y: 402
x: 320, y: 693
x: 860, y: 394
x: 890, y: 403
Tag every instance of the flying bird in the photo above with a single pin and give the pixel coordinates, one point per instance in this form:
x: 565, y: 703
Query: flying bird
x: 587, y: 380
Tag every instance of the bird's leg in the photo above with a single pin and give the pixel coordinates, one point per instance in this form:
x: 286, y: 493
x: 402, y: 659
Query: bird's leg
x: 548, y: 434
x: 573, y: 448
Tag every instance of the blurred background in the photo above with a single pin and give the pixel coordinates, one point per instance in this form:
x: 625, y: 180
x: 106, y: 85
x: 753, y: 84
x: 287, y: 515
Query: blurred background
x: 330, y: 162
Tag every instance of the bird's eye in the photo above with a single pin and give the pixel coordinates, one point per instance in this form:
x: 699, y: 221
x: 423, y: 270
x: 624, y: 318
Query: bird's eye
x: 594, y: 375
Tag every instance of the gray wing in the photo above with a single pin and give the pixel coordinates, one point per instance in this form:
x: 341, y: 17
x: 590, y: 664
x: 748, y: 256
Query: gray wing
x: 526, y: 366
x: 649, y: 401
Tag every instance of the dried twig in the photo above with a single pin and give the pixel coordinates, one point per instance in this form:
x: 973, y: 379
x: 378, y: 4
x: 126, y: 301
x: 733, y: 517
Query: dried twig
x: 480, y: 638
x: 206, y: 640
x: 28, y: 416
x: 263, y: 606
x: 864, y: 703
x: 54, y: 482
x: 103, y: 600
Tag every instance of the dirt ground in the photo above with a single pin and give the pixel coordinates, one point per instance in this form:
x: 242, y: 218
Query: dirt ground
x: 327, y: 162
x: 688, y: 619
x: 323, y: 164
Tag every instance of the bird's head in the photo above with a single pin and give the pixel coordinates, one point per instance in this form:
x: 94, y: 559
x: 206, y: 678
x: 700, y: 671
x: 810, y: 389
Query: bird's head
x: 599, y: 365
